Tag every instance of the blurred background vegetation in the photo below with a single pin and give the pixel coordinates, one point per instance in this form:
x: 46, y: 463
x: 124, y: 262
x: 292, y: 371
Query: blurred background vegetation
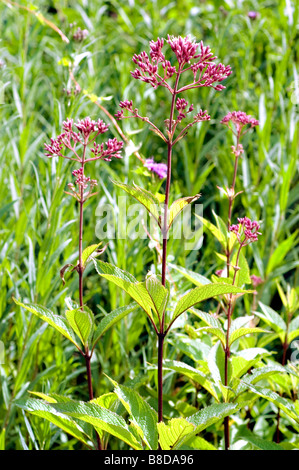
x: 38, y: 222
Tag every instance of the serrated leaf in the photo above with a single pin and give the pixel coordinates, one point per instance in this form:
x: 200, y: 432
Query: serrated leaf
x: 194, y: 374
x: 211, y: 415
x: 243, y: 273
x: 100, y: 418
x: 147, y: 199
x: 293, y: 330
x: 111, y: 319
x: 172, y: 433
x: 214, y: 230
x: 287, y: 406
x: 89, y: 251
x: 272, y: 318
x: 207, y: 318
x: 128, y: 283
x: 195, y: 278
x: 216, y: 332
x: 198, y: 443
x: 243, y: 332
x: 198, y: 294
x: 178, y: 205
x: 59, y: 323
x: 142, y: 415
x: 46, y: 411
x: 240, y: 365
x: 82, y: 322
x: 216, y: 364
x: 260, y: 443
x: 158, y: 293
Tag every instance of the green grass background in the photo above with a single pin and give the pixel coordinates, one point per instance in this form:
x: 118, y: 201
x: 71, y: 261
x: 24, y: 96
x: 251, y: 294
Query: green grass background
x: 38, y: 222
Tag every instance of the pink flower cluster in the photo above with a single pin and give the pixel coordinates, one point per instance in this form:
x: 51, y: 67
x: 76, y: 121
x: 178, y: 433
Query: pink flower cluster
x: 205, y: 72
x: 256, y: 280
x: 86, y: 132
x: 82, y: 180
x: 113, y: 148
x: 181, y: 105
x: 246, y: 231
x: 239, y: 119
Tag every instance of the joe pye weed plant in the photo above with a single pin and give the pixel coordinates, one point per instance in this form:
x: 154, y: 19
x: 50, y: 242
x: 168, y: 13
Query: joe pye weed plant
x: 227, y: 374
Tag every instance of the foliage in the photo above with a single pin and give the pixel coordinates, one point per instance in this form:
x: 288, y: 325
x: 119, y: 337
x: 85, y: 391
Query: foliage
x: 50, y: 73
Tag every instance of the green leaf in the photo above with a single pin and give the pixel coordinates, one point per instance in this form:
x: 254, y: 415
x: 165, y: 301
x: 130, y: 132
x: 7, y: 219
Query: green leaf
x: 240, y: 365
x: 216, y: 332
x: 280, y: 252
x: 260, y: 443
x: 243, y: 332
x: 147, y: 199
x: 214, y: 230
x: 207, y: 318
x: 143, y: 416
x: 172, y: 433
x: 243, y: 273
x: 82, y: 322
x: 109, y: 320
x: 45, y: 410
x: 58, y: 322
x: 194, y: 374
x: 258, y: 374
x: 198, y: 443
x: 283, y: 403
x: 195, y: 278
x: 89, y: 252
x: 198, y: 294
x: 2, y: 439
x: 100, y: 418
x: 211, y: 415
x: 216, y: 364
x: 272, y: 318
x: 127, y: 282
x: 178, y: 205
x: 158, y: 293
x: 293, y: 330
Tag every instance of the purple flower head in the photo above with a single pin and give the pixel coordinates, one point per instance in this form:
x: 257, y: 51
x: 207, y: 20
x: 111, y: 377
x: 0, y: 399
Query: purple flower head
x: 252, y: 15
x: 246, y: 231
x: 239, y: 120
x: 159, y: 168
x: 256, y: 280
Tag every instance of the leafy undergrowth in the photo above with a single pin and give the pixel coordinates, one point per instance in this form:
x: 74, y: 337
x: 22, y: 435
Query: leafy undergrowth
x: 51, y: 71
